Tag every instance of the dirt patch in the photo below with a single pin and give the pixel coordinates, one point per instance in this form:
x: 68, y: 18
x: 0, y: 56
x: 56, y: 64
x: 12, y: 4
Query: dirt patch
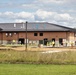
x: 23, y: 48
x: 44, y: 49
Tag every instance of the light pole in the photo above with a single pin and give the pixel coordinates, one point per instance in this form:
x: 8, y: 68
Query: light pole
x: 26, y: 36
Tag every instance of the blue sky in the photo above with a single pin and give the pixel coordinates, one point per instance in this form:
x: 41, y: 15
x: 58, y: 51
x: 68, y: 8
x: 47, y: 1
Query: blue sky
x: 62, y: 12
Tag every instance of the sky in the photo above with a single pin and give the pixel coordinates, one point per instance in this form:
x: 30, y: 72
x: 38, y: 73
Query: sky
x: 62, y: 12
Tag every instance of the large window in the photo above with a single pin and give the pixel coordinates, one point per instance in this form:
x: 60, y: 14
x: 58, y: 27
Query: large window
x: 53, y: 39
x: 35, y: 34
x: 41, y: 34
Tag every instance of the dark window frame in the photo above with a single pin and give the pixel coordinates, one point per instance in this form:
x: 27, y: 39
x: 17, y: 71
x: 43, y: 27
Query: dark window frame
x: 41, y: 34
x: 35, y: 34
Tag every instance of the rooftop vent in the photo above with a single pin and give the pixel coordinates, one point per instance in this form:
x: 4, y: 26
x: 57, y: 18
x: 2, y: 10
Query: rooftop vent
x: 14, y: 25
x: 23, y: 25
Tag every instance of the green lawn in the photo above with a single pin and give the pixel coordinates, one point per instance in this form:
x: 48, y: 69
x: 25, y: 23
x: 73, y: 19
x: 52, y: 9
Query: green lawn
x: 31, y: 69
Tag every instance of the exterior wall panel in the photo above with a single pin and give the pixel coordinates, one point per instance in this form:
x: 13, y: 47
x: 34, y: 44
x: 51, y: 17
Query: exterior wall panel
x: 9, y: 38
x: 68, y: 36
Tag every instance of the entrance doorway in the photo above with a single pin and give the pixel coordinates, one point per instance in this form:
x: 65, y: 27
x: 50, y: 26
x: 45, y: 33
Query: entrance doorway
x: 21, y: 40
x: 53, y: 42
x: 45, y: 41
x: 60, y: 41
x: 53, y: 39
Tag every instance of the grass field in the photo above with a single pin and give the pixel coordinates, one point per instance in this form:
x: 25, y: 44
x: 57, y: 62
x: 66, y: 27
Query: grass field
x: 31, y: 69
x: 10, y: 56
x: 39, y: 63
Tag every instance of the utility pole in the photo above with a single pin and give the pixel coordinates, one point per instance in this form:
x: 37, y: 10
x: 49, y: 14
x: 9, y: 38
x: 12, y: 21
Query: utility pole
x: 26, y: 36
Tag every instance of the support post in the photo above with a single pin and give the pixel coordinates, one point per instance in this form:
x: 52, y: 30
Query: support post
x: 26, y: 36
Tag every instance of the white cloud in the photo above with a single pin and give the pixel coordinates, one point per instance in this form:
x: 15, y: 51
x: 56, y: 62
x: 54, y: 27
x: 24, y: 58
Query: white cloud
x: 39, y: 15
x: 44, y: 14
x: 20, y: 15
x: 55, y: 17
x: 24, y: 15
x: 66, y: 16
x: 19, y: 20
x: 52, y: 1
x: 8, y: 15
x: 58, y: 2
x: 29, y: 5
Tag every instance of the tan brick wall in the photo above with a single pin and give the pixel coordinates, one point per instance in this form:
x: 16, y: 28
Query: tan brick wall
x: 30, y: 35
x: 22, y: 35
x: 13, y: 37
x: 75, y: 38
x: 48, y: 35
x: 71, y: 36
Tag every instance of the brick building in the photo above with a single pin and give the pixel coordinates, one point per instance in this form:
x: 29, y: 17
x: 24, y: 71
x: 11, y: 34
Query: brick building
x: 37, y: 33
